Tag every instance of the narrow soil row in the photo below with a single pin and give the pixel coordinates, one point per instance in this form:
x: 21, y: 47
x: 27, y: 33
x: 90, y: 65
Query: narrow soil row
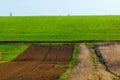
x: 37, y: 63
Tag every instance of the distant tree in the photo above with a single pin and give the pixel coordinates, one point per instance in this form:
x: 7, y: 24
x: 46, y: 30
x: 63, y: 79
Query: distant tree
x: 10, y: 13
x: 68, y: 14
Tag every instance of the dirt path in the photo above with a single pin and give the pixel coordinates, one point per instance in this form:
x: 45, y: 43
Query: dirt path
x: 88, y: 67
x: 37, y: 63
x: 82, y: 68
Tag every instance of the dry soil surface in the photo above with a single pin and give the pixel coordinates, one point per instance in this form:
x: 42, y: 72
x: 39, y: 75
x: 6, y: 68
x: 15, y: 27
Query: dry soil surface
x: 111, y: 56
x: 37, y: 63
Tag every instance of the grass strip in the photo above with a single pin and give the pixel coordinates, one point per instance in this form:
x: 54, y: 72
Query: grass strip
x: 11, y: 51
x: 70, y: 65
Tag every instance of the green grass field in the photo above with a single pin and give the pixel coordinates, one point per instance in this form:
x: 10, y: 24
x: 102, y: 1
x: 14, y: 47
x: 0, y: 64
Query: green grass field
x: 59, y: 28
x: 11, y: 51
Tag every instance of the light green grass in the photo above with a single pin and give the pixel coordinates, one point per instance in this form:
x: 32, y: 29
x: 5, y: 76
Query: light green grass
x: 62, y: 28
x: 11, y: 51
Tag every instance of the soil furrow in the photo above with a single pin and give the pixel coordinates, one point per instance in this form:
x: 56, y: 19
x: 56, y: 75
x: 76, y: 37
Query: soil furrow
x: 37, y: 63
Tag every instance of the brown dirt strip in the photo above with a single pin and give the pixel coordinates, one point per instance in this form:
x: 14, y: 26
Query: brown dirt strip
x: 82, y: 68
x: 37, y: 63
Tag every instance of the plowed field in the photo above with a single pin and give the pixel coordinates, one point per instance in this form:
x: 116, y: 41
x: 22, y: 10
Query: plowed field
x: 37, y: 63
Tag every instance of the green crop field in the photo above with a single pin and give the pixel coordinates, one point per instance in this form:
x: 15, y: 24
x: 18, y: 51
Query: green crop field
x: 59, y: 28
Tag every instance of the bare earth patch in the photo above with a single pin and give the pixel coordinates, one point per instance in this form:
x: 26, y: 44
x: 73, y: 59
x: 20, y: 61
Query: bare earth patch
x: 111, y: 55
x: 88, y: 67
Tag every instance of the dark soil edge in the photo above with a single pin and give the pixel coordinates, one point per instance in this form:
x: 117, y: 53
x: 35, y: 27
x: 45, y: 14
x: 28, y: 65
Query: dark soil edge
x: 74, y: 41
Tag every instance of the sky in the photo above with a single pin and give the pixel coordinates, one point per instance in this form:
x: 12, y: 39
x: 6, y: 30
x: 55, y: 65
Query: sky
x: 59, y: 7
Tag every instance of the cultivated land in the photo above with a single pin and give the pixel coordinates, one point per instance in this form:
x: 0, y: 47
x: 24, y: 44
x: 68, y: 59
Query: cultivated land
x: 38, y: 63
x: 50, y: 61
x: 59, y: 28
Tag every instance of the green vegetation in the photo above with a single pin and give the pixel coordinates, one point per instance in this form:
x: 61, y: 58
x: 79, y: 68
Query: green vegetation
x: 59, y: 28
x: 70, y: 65
x: 10, y: 51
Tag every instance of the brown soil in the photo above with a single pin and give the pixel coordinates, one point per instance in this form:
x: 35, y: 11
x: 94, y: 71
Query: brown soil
x: 37, y: 63
x: 111, y: 56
